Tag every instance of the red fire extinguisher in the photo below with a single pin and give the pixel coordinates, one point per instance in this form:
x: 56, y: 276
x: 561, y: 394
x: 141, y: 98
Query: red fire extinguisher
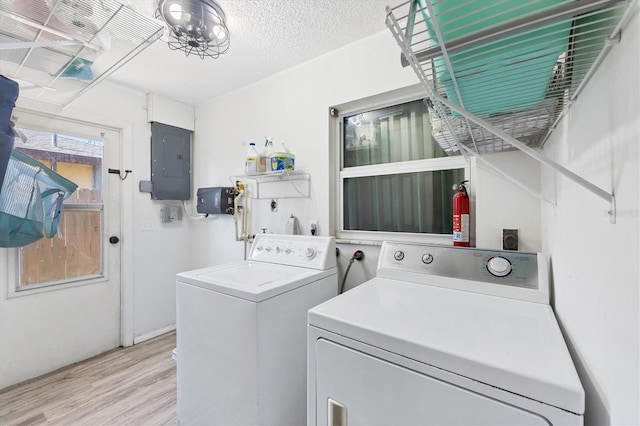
x: 461, y: 215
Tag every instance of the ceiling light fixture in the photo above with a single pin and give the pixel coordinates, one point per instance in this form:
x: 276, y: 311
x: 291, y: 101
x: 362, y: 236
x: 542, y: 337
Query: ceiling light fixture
x: 195, y: 26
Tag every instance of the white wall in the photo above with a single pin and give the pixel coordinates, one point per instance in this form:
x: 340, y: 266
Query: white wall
x: 502, y: 204
x: 292, y: 106
x: 594, y: 264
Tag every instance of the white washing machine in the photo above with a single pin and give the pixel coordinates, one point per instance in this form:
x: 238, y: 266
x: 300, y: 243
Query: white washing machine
x: 442, y: 336
x: 241, y: 332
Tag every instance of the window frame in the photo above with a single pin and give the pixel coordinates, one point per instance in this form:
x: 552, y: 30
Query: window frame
x: 47, y: 123
x: 341, y: 173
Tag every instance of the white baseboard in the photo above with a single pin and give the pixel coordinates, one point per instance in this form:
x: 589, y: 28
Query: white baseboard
x: 152, y: 334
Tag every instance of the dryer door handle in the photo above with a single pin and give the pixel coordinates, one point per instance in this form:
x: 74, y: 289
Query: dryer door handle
x: 336, y: 413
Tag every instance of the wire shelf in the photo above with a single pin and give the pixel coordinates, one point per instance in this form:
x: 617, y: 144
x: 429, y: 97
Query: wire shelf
x: 514, y: 64
x: 58, y: 49
x: 500, y: 74
x: 277, y: 184
x: 275, y: 176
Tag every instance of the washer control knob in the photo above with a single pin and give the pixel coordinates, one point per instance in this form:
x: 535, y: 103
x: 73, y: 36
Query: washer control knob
x: 287, y: 250
x: 399, y: 255
x: 278, y: 249
x: 310, y: 253
x: 259, y: 248
x: 499, y: 266
x: 268, y: 249
x: 427, y: 258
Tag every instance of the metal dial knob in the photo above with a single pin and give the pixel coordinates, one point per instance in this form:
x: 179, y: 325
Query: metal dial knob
x: 499, y: 266
x: 399, y: 255
x: 427, y: 258
x: 310, y: 252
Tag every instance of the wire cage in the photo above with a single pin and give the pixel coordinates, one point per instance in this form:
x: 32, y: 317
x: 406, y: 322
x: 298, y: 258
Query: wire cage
x: 195, y: 27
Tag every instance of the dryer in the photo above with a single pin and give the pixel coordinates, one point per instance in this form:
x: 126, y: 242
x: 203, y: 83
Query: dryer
x: 241, y: 332
x: 441, y: 336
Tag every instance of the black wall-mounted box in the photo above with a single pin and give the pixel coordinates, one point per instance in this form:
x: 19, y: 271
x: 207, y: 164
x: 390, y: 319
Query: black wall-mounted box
x: 215, y: 200
x: 170, y: 163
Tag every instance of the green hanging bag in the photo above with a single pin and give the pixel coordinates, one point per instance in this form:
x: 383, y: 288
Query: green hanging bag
x: 30, y: 201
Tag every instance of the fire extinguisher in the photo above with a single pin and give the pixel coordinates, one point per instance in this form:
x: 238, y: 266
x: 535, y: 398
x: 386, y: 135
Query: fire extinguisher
x: 461, y: 215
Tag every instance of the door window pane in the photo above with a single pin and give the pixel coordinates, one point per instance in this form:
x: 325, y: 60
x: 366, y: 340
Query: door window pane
x: 76, y: 252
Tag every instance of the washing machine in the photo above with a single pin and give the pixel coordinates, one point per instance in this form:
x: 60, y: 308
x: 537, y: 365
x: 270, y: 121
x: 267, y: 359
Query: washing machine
x: 241, y: 332
x: 442, y: 336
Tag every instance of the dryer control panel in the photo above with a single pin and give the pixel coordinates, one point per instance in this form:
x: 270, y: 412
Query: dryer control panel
x: 503, y: 273
x: 295, y: 250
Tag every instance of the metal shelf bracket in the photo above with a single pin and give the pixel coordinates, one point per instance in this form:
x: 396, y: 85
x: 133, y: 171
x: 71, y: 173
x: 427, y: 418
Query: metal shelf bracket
x: 536, y: 155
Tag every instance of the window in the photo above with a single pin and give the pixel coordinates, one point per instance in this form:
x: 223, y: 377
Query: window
x: 76, y: 252
x: 393, y: 176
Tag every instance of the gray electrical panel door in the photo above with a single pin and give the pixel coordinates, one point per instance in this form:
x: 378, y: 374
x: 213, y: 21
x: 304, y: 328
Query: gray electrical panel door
x: 170, y: 162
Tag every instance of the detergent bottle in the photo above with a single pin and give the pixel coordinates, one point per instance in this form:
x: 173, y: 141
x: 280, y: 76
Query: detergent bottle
x: 282, y: 159
x: 251, y: 163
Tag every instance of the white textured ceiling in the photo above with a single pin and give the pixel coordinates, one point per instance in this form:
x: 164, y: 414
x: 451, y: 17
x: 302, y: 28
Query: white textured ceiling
x: 267, y: 36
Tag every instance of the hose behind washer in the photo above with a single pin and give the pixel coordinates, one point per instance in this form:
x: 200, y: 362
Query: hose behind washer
x: 358, y: 255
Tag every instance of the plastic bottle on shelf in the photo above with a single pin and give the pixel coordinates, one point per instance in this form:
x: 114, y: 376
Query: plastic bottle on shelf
x: 261, y: 162
x: 251, y: 163
x: 263, y: 157
x: 268, y: 148
x: 282, y: 159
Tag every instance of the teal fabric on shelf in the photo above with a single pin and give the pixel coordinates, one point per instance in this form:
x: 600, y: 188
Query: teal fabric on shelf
x: 78, y: 68
x: 506, y: 74
x: 30, y: 201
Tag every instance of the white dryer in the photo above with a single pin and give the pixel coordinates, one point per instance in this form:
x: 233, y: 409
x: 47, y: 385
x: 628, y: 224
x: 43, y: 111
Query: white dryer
x: 442, y: 336
x: 241, y: 332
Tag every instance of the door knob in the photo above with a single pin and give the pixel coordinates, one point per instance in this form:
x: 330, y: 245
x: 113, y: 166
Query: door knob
x: 114, y: 240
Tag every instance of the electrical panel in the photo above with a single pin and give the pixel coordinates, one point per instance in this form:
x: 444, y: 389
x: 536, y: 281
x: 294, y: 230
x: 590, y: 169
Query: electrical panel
x: 170, y: 162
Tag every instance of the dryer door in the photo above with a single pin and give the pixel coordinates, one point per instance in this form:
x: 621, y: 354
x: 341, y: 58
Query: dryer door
x: 354, y: 388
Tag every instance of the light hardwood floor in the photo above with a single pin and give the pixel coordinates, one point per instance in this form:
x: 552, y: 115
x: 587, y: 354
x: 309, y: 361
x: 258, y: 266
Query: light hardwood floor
x: 126, y: 386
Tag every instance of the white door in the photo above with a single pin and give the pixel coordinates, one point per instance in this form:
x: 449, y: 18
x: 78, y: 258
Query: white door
x: 62, y: 298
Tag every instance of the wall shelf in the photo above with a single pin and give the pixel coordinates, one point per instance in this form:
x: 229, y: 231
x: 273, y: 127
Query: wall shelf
x: 499, y: 75
x: 279, y: 184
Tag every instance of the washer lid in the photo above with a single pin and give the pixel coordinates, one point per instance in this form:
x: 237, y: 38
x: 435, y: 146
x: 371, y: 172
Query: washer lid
x: 253, y: 281
x: 509, y: 344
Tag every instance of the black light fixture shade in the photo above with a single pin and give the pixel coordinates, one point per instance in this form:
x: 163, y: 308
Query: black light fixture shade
x: 195, y: 26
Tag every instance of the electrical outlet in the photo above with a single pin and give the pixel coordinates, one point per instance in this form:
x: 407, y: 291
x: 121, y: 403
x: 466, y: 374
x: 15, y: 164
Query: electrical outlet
x: 509, y: 239
x: 274, y: 206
